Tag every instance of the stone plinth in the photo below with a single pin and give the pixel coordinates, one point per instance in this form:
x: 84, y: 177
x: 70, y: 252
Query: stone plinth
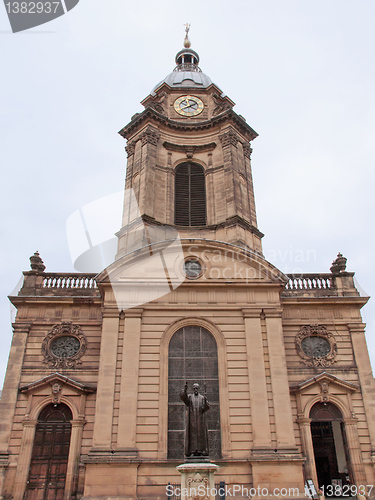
x: 197, y: 481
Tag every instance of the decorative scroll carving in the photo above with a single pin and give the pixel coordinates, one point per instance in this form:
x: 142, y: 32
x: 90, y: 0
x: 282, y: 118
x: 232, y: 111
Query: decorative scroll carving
x: 150, y: 136
x: 229, y: 139
x: 68, y: 355
x: 314, y: 358
x: 130, y: 148
x: 324, y: 395
x: 247, y: 150
x: 181, y: 148
x: 157, y: 103
x: 56, y: 393
x: 196, y: 485
x: 221, y: 105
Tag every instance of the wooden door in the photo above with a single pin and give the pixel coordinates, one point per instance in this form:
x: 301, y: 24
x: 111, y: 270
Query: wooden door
x: 49, y: 461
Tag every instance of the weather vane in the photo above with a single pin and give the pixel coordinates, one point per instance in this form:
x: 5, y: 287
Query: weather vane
x: 187, y: 42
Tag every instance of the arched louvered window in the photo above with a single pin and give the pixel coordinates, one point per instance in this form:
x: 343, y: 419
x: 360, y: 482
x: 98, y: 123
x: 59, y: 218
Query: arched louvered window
x: 190, y: 195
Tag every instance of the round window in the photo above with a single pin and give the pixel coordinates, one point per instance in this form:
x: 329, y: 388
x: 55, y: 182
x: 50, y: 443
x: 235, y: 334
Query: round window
x: 315, y: 347
x: 65, y: 347
x: 192, y: 268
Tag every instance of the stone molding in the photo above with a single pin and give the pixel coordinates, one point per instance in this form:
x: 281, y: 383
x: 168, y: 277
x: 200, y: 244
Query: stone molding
x: 130, y: 148
x: 150, y: 136
x: 150, y: 114
x: 229, y: 139
x: 247, y: 150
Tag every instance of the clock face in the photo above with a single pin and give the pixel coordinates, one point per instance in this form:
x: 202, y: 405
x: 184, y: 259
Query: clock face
x: 315, y: 347
x: 192, y: 268
x: 65, y: 347
x: 188, y: 105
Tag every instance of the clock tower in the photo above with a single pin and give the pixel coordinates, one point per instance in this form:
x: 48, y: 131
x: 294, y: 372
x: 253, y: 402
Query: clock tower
x: 189, y: 159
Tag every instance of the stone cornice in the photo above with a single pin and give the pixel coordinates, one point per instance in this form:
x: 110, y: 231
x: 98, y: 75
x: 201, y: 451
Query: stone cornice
x: 151, y: 114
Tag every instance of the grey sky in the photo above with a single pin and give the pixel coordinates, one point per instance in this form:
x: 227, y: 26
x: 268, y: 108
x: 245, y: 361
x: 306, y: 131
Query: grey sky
x: 301, y: 73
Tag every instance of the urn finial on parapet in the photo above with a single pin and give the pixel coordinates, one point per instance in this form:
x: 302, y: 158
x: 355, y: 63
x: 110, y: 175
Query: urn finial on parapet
x: 338, y: 265
x: 36, y: 263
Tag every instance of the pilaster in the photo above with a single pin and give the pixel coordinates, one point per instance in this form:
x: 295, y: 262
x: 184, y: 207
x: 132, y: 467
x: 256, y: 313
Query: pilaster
x: 260, y: 419
x: 279, y: 379
x: 308, y: 449
x: 106, y: 382
x: 229, y: 142
x: 74, y: 453
x: 126, y: 439
x: 146, y: 201
x: 11, y: 384
x: 24, y: 458
x: 250, y: 187
x: 355, y: 455
x: 362, y: 359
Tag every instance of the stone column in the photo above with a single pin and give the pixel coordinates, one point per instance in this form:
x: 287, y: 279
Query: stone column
x: 106, y: 381
x: 24, y: 459
x: 355, y: 455
x: 308, y: 449
x: 126, y: 438
x: 279, y: 378
x: 73, y: 459
x: 260, y: 419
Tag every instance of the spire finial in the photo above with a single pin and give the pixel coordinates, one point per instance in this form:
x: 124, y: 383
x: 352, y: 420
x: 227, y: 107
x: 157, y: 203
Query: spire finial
x: 187, y: 43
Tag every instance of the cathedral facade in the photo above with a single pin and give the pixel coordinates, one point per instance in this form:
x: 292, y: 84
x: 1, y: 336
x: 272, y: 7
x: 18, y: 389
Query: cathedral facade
x: 90, y: 406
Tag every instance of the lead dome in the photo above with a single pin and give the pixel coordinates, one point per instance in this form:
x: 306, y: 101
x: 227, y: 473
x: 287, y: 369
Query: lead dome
x: 187, y: 73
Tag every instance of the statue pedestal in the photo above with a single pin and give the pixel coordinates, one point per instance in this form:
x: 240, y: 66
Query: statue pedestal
x: 197, y: 481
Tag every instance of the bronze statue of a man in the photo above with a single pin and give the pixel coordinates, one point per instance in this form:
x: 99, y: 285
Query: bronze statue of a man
x: 196, y: 434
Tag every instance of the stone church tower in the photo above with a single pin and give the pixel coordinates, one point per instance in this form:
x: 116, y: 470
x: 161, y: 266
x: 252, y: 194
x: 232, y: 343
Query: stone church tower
x: 91, y: 407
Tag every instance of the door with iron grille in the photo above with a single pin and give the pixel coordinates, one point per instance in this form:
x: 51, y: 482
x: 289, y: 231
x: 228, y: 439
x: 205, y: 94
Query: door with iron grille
x: 49, y: 459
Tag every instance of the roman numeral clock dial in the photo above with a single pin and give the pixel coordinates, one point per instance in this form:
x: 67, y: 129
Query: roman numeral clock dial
x: 188, y: 105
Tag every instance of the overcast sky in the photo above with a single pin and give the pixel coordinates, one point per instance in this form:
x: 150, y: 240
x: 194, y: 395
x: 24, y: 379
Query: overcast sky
x: 300, y: 72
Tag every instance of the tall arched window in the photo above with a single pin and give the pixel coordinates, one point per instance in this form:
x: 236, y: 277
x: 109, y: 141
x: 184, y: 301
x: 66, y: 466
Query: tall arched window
x: 192, y: 358
x: 49, y: 460
x: 190, y: 195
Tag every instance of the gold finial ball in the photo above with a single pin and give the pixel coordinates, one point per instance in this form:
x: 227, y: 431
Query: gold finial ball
x: 187, y: 43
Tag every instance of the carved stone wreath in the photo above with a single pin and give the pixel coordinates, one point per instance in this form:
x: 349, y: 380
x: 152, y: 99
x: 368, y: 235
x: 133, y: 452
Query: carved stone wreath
x: 328, y: 346
x: 65, y: 334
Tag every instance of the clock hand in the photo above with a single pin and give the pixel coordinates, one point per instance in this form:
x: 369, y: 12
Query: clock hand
x: 188, y: 105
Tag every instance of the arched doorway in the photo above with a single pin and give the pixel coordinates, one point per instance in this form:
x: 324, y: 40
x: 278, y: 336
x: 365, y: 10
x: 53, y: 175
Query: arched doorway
x: 49, y: 460
x: 330, y: 448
